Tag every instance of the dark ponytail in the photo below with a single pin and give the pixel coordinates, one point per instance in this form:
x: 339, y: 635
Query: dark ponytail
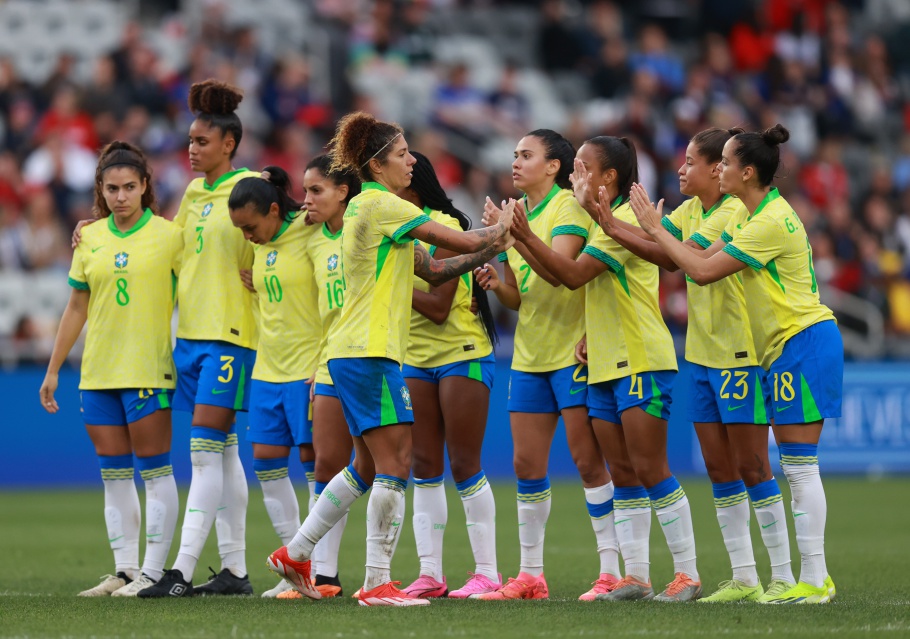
x: 617, y: 154
x: 710, y: 143
x: 426, y: 185
x: 557, y: 147
x: 263, y: 192
x: 340, y: 177
x: 761, y: 150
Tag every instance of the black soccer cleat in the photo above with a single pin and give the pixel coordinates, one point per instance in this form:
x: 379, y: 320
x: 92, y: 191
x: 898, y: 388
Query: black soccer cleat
x: 328, y: 587
x: 225, y: 583
x: 171, y: 584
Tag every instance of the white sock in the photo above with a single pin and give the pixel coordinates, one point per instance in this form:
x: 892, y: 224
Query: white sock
x: 534, y: 503
x: 430, y: 517
x: 332, y: 505
x: 732, y: 506
x: 207, y: 457
x: 600, y: 508
x: 281, y: 504
x: 122, y: 513
x: 230, y: 522
x: 328, y: 548
x: 810, y: 510
x: 675, y: 517
x: 385, y: 511
x: 772, y: 519
x: 632, y: 519
x: 162, y: 507
x: 480, y: 515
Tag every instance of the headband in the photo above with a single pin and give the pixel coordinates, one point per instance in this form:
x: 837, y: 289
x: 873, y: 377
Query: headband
x: 391, y: 139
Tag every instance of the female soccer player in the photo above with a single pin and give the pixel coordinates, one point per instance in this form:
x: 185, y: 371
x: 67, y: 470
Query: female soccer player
x: 216, y: 335
x: 728, y: 407
x: 449, y: 368
x: 546, y: 381
x: 632, y: 365
x: 366, y: 346
x: 796, y: 339
x: 289, y: 335
x: 122, y: 280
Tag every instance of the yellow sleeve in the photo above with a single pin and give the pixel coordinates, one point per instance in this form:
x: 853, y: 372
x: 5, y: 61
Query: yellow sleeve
x: 77, y: 278
x: 571, y: 219
x: 607, y: 250
x: 759, y: 242
x: 713, y: 228
x: 395, y: 218
x: 180, y: 218
x: 673, y: 222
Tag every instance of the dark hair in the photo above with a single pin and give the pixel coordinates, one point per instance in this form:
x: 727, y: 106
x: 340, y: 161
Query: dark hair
x: 263, y: 192
x: 618, y: 154
x: 427, y: 187
x: 345, y: 177
x: 123, y: 154
x: 761, y: 150
x: 214, y: 102
x: 710, y: 143
x: 556, y: 147
x: 360, y: 138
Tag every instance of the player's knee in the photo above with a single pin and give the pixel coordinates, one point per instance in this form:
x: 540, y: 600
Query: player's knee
x: 721, y: 473
x: 464, y: 467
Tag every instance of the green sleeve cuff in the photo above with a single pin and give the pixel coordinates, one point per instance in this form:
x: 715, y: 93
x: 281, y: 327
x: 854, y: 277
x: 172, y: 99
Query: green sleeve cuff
x: 667, y: 224
x: 79, y: 286
x: 597, y: 254
x: 400, y: 236
x: 570, y: 229
x: 701, y: 240
x: 503, y: 257
x: 726, y: 237
x: 729, y: 249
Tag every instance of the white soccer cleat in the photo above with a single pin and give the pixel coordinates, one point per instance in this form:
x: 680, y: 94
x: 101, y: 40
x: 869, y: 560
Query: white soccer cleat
x: 283, y: 586
x: 132, y: 588
x: 109, y: 584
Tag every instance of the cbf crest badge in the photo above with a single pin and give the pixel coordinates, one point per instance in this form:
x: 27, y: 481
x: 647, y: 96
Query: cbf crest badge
x: 206, y: 210
x: 333, y: 262
x: 406, y: 397
x: 271, y: 258
x: 121, y: 259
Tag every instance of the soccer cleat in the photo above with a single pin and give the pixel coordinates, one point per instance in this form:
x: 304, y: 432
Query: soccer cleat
x: 289, y: 594
x: 109, y: 585
x: 775, y: 589
x: 427, y: 588
x: 628, y: 589
x: 477, y: 584
x: 524, y: 586
x: 224, y: 583
x: 682, y: 588
x: 801, y: 593
x: 328, y: 587
x: 604, y: 584
x: 388, y: 595
x: 283, y: 586
x: 171, y: 584
x: 733, y: 591
x: 297, y: 572
x: 356, y: 594
x: 832, y: 591
x: 132, y: 589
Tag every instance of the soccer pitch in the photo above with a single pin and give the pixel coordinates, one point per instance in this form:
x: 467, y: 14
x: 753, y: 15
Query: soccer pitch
x: 53, y: 546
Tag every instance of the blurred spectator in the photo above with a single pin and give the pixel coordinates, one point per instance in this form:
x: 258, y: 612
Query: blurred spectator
x: 460, y: 108
x: 560, y: 46
x: 510, y: 110
x: 825, y: 179
x: 67, y: 120
x: 40, y: 234
x: 654, y: 56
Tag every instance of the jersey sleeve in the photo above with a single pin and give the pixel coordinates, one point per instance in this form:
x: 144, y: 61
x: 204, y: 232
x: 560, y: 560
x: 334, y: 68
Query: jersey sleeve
x: 77, y: 278
x: 759, y: 242
x: 180, y: 218
x: 571, y: 219
x: 713, y: 228
x: 673, y: 222
x: 176, y: 250
x: 607, y: 250
x: 395, y: 218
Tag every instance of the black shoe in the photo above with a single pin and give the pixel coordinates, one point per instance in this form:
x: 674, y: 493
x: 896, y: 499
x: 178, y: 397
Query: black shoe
x: 322, y: 580
x: 225, y: 583
x: 171, y: 584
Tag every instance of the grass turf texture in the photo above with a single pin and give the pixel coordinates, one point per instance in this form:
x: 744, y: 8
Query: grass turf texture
x: 52, y: 545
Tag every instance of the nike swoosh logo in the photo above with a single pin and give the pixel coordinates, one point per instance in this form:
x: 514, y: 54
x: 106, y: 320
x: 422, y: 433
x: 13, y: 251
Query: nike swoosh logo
x: 774, y: 522
x: 669, y: 522
x: 782, y: 409
x: 218, y: 392
x: 194, y: 510
x: 795, y: 515
x: 739, y: 226
x: 523, y: 523
x: 733, y: 408
x: 575, y: 391
x: 469, y: 525
x: 621, y: 521
x: 724, y: 526
x: 140, y: 406
x: 116, y: 538
x: 97, y: 249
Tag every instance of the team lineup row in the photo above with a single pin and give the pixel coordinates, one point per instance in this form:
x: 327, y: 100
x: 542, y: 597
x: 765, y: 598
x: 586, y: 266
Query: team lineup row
x: 356, y: 306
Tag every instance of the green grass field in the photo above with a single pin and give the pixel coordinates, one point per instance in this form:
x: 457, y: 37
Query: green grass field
x: 53, y: 545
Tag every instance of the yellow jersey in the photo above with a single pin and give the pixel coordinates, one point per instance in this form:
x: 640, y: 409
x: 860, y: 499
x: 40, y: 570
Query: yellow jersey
x: 551, y: 319
x: 324, y: 249
x: 718, y: 334
x: 626, y: 332
x: 131, y: 279
x: 213, y: 302
x: 462, y: 336
x: 377, y: 269
x: 780, y: 286
x: 289, y: 326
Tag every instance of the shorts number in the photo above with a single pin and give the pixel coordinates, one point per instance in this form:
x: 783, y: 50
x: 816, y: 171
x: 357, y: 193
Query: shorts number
x: 123, y: 298
x: 741, y: 381
x: 783, y: 387
x: 526, y: 269
x: 199, y: 242
x: 635, y: 389
x: 227, y: 366
x: 273, y: 288
x: 335, y: 292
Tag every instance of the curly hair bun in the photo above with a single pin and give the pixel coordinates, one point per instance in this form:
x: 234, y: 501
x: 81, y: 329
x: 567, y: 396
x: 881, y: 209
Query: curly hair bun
x: 777, y: 134
x: 214, y: 97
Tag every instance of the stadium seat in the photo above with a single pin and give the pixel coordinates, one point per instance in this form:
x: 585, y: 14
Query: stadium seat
x: 12, y: 301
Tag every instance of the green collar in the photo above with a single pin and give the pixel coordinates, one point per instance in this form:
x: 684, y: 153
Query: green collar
x: 366, y: 186
x: 142, y: 221
x: 284, y: 225
x: 428, y: 211
x: 543, y: 204
x: 221, y: 180
x: 706, y: 214
x: 773, y: 194
x: 329, y: 234
x: 616, y: 202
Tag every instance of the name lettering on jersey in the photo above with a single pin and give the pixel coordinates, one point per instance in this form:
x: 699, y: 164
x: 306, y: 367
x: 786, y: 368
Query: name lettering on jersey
x: 741, y: 354
x: 622, y: 364
x: 270, y: 260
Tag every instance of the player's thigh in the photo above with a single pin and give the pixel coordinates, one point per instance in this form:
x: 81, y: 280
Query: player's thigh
x: 151, y: 435
x: 427, y: 436
x: 716, y: 451
x: 612, y: 443
x: 465, y: 406
x: 390, y: 447
x: 749, y: 446
x: 216, y: 417
x: 532, y: 436
x: 331, y: 438
x: 363, y: 461
x: 270, y: 451
x: 584, y: 447
x: 646, y: 441
x: 110, y: 441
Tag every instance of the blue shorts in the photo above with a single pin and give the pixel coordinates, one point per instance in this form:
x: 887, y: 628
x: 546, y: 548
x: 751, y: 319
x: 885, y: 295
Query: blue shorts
x: 806, y: 383
x: 728, y: 396
x: 280, y: 414
x: 326, y: 390
x: 119, y: 407
x: 549, y: 392
x: 651, y: 391
x: 481, y: 369
x: 372, y: 393
x: 212, y: 373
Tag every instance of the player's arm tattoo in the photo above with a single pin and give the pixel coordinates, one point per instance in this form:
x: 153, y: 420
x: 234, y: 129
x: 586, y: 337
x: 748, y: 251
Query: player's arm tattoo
x: 437, y: 272
x: 478, y: 239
